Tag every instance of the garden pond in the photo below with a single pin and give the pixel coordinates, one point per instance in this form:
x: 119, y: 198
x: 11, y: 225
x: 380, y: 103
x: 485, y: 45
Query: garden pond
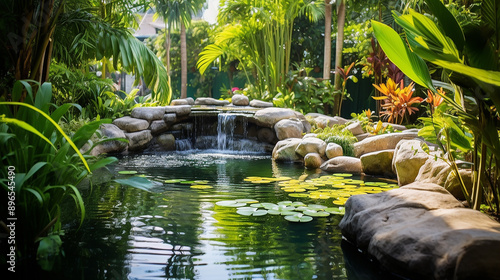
x: 190, y: 225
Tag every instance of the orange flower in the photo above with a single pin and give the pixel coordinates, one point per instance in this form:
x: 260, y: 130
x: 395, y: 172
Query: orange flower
x: 435, y: 99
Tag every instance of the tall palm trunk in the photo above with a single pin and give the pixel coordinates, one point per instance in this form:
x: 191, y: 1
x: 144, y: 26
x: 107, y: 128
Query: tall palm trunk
x: 328, y: 40
x: 183, y: 62
x: 168, y: 44
x: 338, y: 56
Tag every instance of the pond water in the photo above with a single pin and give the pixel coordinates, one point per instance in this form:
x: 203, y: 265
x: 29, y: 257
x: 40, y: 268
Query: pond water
x: 177, y: 232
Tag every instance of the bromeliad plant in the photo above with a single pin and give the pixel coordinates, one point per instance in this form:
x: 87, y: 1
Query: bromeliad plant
x: 48, y: 166
x: 469, y: 58
x: 399, y: 101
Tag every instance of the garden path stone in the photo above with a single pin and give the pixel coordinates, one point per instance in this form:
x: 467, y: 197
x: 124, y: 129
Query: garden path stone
x: 240, y: 100
x: 378, y: 163
x: 260, y: 104
x: 284, y: 150
x: 138, y: 140
x: 148, y: 113
x: 288, y: 128
x: 179, y: 110
x: 210, y: 101
x: 333, y: 150
x: 381, y: 142
x: 342, y: 164
x: 423, y: 231
x: 110, y: 131
x: 268, y: 117
x: 129, y: 124
x: 409, y: 156
x: 311, y: 145
x: 313, y: 161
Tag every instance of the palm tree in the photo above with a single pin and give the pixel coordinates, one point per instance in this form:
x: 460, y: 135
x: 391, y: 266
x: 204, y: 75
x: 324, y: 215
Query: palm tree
x: 328, y: 40
x: 178, y: 14
x: 74, y: 32
x: 341, y: 11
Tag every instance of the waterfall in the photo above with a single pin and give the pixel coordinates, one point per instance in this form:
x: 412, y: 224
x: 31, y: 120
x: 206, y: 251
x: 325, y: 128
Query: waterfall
x: 225, y: 131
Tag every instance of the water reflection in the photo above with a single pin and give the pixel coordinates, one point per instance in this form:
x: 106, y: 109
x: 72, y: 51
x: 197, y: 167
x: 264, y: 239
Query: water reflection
x: 179, y: 233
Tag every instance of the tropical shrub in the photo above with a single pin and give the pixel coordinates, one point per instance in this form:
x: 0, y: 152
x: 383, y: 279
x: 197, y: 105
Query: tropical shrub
x: 45, y: 165
x: 339, y: 135
x: 468, y: 57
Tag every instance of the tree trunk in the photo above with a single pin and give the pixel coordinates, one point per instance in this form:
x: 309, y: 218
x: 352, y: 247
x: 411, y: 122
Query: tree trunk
x: 338, y: 56
x: 328, y: 40
x: 183, y: 62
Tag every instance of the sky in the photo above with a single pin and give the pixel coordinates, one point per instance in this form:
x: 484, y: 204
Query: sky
x: 210, y: 14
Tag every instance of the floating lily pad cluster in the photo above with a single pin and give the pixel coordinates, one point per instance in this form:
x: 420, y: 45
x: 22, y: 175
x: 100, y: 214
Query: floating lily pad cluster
x: 292, y: 211
x: 338, y: 187
x: 196, y: 184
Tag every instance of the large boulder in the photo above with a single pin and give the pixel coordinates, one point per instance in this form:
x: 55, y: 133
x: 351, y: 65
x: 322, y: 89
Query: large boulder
x: 138, y: 140
x: 381, y: 142
x: 148, y: 113
x: 157, y: 127
x: 210, y: 101
x: 179, y: 110
x: 240, y: 100
x: 378, y: 163
x: 453, y: 185
x: 129, y: 124
x: 288, y: 128
x: 423, y: 232
x: 270, y: 116
x: 311, y: 145
x: 409, y: 156
x: 333, y: 150
x: 312, y: 161
x: 284, y: 150
x: 260, y: 104
x: 110, y: 131
x: 267, y: 135
x: 342, y: 164
x: 305, y: 123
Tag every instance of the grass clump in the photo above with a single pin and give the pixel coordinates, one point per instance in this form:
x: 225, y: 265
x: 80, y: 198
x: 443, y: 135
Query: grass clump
x: 338, y: 134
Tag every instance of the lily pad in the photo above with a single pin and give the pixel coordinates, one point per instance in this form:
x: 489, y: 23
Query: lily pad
x: 299, y: 218
x: 314, y: 213
x: 281, y: 212
x: 251, y: 211
x: 187, y: 182
x: 342, y: 174
x: 230, y: 203
x: 172, y: 181
x: 201, y: 187
x: 336, y: 210
x: 200, y: 182
x: 127, y: 172
x: 316, y: 207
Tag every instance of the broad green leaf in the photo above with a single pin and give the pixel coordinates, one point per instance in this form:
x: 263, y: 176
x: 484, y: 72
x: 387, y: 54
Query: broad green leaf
x: 27, y: 127
x: 457, y: 136
x: 137, y: 182
x: 397, y: 51
x: 102, y: 162
x: 448, y: 22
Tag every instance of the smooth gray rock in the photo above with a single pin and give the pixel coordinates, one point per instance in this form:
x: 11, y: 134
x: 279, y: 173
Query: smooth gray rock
x: 148, y: 113
x: 288, y: 128
x: 138, y: 140
x: 311, y: 145
x: 260, y: 104
x: 333, y: 150
x: 342, y: 164
x: 397, y: 127
x: 409, y: 156
x: 190, y: 101
x: 323, y: 121
x: 166, y: 141
x: 240, y: 100
x: 355, y: 128
x: 381, y: 142
x: 422, y: 231
x: 179, y: 110
x: 268, y: 117
x: 305, y: 123
x: 284, y: 150
x: 157, y: 127
x: 378, y: 163
x: 129, y: 124
x: 210, y: 101
x: 177, y: 102
x: 110, y: 131
x: 452, y: 183
x: 312, y: 161
x: 170, y: 118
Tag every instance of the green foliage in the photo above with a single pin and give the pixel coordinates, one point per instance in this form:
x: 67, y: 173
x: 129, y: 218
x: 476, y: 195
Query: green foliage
x: 48, y: 164
x: 339, y: 135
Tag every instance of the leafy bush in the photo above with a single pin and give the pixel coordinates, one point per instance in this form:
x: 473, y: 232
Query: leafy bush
x: 337, y: 134
x: 48, y: 166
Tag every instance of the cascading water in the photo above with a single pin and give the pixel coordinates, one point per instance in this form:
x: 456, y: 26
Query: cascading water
x: 225, y: 131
